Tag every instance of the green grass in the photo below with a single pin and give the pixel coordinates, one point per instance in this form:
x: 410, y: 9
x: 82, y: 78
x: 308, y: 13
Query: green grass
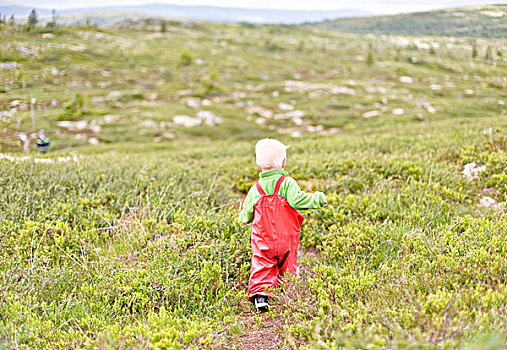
x: 135, y: 242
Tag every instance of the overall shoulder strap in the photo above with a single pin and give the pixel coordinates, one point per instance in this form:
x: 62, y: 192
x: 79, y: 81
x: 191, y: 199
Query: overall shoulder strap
x: 278, y: 184
x: 259, y: 188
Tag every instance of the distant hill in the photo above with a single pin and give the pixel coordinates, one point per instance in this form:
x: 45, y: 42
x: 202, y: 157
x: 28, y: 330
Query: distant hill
x: 475, y: 21
x: 204, y: 13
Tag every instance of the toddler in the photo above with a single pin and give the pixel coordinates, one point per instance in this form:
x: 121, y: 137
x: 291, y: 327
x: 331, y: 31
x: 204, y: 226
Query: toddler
x: 272, y: 205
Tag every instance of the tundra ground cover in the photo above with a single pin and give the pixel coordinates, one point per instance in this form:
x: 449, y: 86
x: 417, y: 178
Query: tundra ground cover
x: 149, y: 252
x: 133, y: 241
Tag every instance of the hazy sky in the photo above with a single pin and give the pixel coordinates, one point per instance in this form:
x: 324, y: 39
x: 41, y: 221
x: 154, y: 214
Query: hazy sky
x: 374, y: 6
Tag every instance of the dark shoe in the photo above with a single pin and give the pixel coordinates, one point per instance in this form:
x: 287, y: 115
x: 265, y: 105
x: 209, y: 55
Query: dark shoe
x: 261, y: 303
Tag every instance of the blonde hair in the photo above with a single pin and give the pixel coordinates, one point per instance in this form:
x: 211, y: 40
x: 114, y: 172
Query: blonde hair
x: 270, y: 154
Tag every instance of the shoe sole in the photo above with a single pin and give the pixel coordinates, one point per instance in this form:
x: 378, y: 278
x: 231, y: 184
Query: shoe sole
x: 262, y: 307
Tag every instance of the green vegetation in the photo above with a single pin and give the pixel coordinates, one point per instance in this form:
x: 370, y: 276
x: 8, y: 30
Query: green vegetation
x: 476, y: 21
x: 125, y: 235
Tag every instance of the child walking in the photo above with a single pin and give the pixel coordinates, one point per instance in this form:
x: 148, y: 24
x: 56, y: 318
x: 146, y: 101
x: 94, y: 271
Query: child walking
x: 272, y: 204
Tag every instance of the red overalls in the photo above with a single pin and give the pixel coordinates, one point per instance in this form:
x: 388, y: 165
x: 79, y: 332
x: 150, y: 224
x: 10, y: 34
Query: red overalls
x: 275, y: 239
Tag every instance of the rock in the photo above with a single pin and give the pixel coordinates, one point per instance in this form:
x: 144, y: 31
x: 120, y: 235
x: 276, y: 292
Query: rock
x: 208, y: 118
x: 285, y: 107
x: 398, y: 111
x: 260, y: 121
x: 472, y: 170
x: 488, y: 202
x: 186, y: 121
x: 9, y: 65
x: 193, y: 102
x: 295, y: 114
x: 47, y: 36
x: 371, y: 114
x: 113, y: 95
x: 150, y: 124
x: 405, y: 79
x: 261, y: 111
x: 435, y: 87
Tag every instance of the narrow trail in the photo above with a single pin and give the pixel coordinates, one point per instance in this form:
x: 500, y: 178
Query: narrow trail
x: 265, y: 331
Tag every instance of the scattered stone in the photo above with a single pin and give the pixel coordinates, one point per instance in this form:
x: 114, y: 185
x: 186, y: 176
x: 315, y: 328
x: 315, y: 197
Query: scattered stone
x: 488, y: 202
x: 113, y: 95
x: 9, y: 65
x: 285, y: 107
x: 295, y: 114
x: 186, y: 121
x: 105, y: 73
x: 150, y: 124
x: 422, y: 103
x: 501, y: 103
x: 201, y: 118
x: 192, y: 102
x: 276, y: 93
x: 297, y: 121
x: 208, y: 118
x: 25, y: 52
x: 469, y: 92
x: 261, y: 111
x: 238, y: 95
x: 315, y: 128
x: 79, y: 125
x: 472, y: 170
x: 301, y: 86
x: 398, y: 111
x: 371, y: 114
x: 47, y: 36
x: 199, y: 61
x: 94, y: 141
x: 435, y: 87
x: 405, y: 79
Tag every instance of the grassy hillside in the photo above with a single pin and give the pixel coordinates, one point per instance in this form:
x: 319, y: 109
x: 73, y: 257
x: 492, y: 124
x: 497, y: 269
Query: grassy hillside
x: 477, y: 21
x: 125, y: 235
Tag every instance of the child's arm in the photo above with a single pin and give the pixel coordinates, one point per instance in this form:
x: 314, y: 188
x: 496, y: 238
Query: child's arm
x: 301, y: 200
x: 247, y: 212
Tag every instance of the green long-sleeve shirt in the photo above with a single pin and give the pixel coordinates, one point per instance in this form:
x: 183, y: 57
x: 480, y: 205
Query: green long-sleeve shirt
x: 289, y: 189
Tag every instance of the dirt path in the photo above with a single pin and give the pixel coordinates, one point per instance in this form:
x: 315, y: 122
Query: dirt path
x: 265, y: 334
x: 265, y: 331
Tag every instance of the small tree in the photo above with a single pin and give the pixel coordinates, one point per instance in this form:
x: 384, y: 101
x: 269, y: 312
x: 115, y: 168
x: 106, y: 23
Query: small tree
x: 163, y: 26
x: 474, y: 50
x: 369, y: 58
x: 32, y: 20
x: 52, y: 23
x: 53, y: 12
x: 489, y: 55
x: 12, y: 21
x: 184, y: 62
